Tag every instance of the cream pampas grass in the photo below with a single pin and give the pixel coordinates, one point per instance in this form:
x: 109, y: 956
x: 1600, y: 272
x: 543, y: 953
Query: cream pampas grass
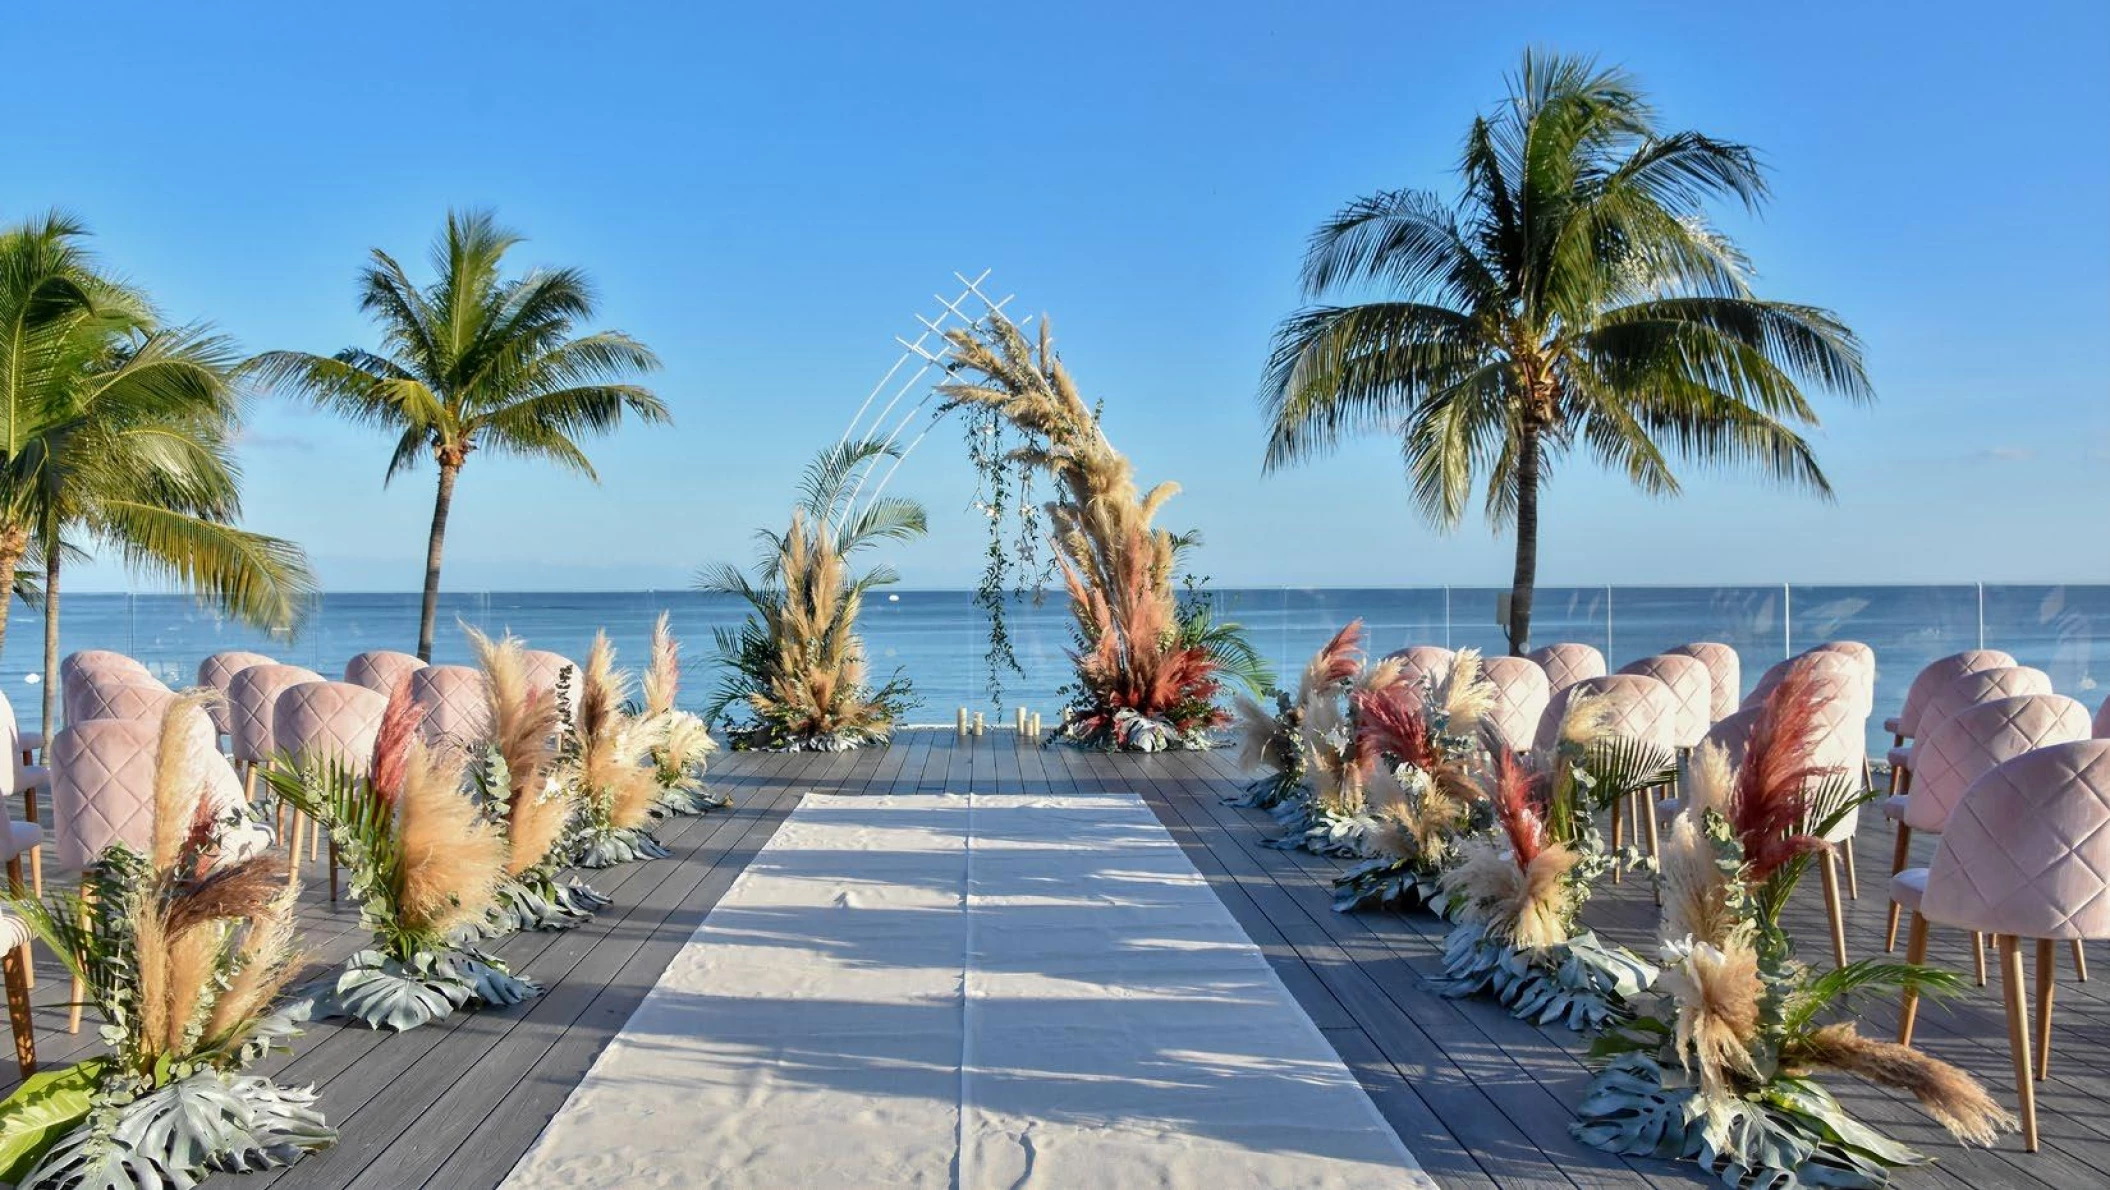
x: 449, y: 855
x: 1717, y: 992
x: 524, y: 725
x: 1464, y: 693
x: 662, y: 684
x: 1587, y: 721
x: 1524, y: 905
x: 1955, y: 1099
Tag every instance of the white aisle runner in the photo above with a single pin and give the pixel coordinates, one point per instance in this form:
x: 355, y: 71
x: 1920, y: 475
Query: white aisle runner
x: 972, y: 991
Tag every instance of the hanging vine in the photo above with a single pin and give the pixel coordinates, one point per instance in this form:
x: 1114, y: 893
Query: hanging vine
x: 993, y: 497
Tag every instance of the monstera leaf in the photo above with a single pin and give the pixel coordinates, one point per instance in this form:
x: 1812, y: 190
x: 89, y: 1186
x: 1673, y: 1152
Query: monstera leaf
x: 607, y: 848
x: 44, y: 1108
x: 174, y: 1136
x: 536, y: 900
x: 486, y: 979
x: 1400, y: 883
x: 681, y: 801
x: 1581, y: 983
x: 384, y: 993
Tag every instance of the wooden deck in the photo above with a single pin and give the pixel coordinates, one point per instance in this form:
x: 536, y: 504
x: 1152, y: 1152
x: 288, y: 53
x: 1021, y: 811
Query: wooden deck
x: 1482, y: 1099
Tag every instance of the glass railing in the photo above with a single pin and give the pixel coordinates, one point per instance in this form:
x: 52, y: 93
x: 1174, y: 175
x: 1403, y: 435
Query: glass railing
x: 939, y: 639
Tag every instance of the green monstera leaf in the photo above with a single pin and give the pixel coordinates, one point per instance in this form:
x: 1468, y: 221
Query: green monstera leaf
x: 44, y: 1108
x: 175, y: 1136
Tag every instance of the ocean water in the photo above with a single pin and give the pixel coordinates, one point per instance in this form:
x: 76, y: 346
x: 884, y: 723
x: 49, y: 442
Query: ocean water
x: 939, y: 640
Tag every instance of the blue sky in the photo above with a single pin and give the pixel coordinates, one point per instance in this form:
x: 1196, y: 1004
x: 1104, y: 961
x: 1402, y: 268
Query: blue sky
x: 767, y: 194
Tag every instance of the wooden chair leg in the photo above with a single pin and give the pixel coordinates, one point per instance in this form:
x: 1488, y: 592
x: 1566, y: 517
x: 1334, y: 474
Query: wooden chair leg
x: 1830, y: 872
x: 1915, y: 953
x: 14, y: 885
x: 2080, y: 961
x: 15, y: 966
x: 36, y: 870
x: 1978, y: 956
x: 1898, y: 858
x: 2047, y: 966
x: 79, y: 994
x: 2014, y: 992
x: 293, y: 848
x: 333, y: 871
x: 1645, y: 807
x: 1618, y: 833
x: 314, y: 841
x: 249, y: 783
x: 1853, y: 877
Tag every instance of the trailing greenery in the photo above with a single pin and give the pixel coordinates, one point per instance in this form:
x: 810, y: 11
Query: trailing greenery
x: 475, y: 361
x: 1574, y: 296
x: 795, y: 670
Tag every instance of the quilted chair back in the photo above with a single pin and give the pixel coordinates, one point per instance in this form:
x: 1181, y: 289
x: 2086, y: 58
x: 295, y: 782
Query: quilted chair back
x: 380, y: 670
x: 116, y: 696
x: 2027, y: 852
x: 1967, y: 745
x: 102, y: 785
x: 329, y: 721
x: 1642, y: 709
x: 216, y: 673
x: 1986, y: 685
x: 1567, y: 664
x: 252, y: 700
x: 1418, y: 662
x: 1843, y: 666
x: 1939, y: 673
x: 1521, y: 695
x: 1725, y: 674
x: 1840, y: 745
x: 454, y: 700
x: 544, y: 667
x: 102, y: 661
x: 2102, y: 721
x: 1689, y: 681
x: 1864, y: 655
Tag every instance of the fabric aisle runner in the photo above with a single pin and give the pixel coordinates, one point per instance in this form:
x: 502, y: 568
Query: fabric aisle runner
x: 976, y: 991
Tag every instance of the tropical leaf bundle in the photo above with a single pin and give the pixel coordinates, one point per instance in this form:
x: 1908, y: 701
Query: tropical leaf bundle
x: 681, y: 743
x: 1148, y: 671
x: 1722, y: 1069
x: 796, y: 667
x: 185, y: 953
x: 425, y: 865
x: 606, y: 759
x: 517, y: 786
x: 1517, y: 891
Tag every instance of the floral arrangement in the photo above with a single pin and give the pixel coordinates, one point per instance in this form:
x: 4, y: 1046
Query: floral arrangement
x: 606, y: 760
x: 1366, y: 763
x: 796, y: 668
x: 1517, y: 891
x: 185, y: 953
x: 1722, y: 1071
x: 1148, y: 669
x: 516, y: 785
x: 425, y: 862
x: 681, y: 742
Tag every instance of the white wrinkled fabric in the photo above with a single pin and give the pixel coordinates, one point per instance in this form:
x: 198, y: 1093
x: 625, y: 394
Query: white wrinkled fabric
x: 973, y: 991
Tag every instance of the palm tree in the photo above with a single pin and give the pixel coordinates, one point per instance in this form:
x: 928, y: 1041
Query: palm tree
x: 1575, y: 294
x: 118, y: 431
x: 797, y: 663
x: 471, y: 361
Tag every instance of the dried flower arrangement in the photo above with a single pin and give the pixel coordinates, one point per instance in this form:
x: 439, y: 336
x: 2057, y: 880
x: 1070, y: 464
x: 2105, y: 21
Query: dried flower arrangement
x: 681, y: 742
x: 796, y: 667
x: 606, y: 761
x: 185, y: 952
x: 1721, y: 1071
x: 425, y: 864
x: 1517, y: 892
x: 517, y: 786
x: 1148, y: 668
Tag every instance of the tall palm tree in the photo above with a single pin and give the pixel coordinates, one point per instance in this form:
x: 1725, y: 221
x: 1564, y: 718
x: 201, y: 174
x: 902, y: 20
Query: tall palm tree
x: 475, y: 360
x: 116, y: 430
x: 1574, y: 295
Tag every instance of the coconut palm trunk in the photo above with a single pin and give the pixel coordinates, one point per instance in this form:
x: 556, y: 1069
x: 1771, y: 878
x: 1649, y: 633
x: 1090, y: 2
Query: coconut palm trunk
x: 1523, y: 581
x: 14, y: 544
x: 435, y: 548
x: 52, y: 554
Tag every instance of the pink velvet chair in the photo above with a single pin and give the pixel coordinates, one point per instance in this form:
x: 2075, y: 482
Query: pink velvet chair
x: 1864, y: 655
x: 1939, y: 673
x: 1845, y: 666
x: 455, y: 700
x: 29, y: 780
x: 2026, y: 856
x: 326, y: 722
x: 1422, y: 661
x: 544, y: 669
x: 1521, y: 695
x: 102, y: 793
x: 1724, y: 672
x: 1955, y: 753
x: 1693, y: 686
x: 1985, y: 685
x: 1566, y: 664
x: 252, y: 699
x: 216, y: 673
x: 122, y: 696
x: 379, y: 670
x: 1643, y: 708
x: 2102, y: 721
